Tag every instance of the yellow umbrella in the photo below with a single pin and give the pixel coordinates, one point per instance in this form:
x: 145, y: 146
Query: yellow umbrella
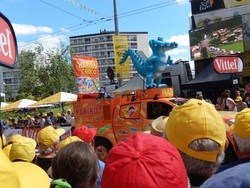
x: 61, y: 97
x: 20, y: 104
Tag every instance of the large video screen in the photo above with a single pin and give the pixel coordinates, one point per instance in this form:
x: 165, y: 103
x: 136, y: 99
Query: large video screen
x: 221, y: 38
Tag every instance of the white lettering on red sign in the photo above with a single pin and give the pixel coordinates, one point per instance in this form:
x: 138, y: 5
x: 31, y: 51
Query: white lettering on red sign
x: 8, y: 45
x: 228, y: 64
x: 5, y: 46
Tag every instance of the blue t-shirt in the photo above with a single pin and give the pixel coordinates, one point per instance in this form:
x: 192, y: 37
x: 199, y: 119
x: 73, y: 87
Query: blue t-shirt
x: 99, y: 177
x: 236, y: 177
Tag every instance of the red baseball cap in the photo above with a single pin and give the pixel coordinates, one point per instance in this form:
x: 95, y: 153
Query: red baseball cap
x: 84, y: 133
x: 144, y: 160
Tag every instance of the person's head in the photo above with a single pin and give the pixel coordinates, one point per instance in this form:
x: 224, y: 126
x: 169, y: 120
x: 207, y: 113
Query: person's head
x: 14, y: 138
x: 199, y: 133
x: 242, y: 91
x: 219, y: 101
x: 68, y: 111
x: 200, y: 97
x: 237, y: 92
x: 23, y: 150
x: 228, y: 91
x: 85, y: 133
x: 9, y: 177
x: 238, y: 100
x: 224, y: 95
x: 247, y: 87
x: 48, y: 139
x: 77, y: 164
x: 241, y: 130
x: 67, y: 141
x: 158, y: 126
x: 31, y: 175
x: 45, y: 115
x: 144, y: 160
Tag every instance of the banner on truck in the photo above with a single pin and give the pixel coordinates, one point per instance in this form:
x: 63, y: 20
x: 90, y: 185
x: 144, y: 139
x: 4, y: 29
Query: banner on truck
x: 86, y: 75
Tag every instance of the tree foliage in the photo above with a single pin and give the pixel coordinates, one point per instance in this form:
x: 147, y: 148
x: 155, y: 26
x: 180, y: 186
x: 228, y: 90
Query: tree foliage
x: 45, y: 72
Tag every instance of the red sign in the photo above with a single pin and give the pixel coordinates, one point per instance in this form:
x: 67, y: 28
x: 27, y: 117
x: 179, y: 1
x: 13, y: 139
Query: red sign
x: 8, y: 44
x: 228, y: 64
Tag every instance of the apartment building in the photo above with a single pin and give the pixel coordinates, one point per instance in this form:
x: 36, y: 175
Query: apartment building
x: 100, y: 46
x: 11, y: 83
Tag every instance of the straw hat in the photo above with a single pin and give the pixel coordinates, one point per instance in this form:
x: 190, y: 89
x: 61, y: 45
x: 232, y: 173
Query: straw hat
x: 158, y: 126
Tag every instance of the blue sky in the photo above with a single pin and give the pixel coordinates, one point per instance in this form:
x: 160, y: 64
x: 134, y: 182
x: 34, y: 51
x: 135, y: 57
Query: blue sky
x: 52, y: 21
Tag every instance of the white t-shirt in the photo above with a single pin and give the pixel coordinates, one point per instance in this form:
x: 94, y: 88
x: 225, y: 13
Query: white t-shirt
x: 229, y: 103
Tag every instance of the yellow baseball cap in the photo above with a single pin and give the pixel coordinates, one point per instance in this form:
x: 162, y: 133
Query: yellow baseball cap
x: 194, y: 120
x: 8, y: 175
x: 23, y: 149
x: 68, y: 140
x: 31, y: 175
x: 48, y: 136
x: 7, y: 149
x: 44, y: 115
x: 238, y: 99
x: 14, y: 138
x: 241, y: 125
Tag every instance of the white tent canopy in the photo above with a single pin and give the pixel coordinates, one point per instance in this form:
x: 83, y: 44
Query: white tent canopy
x: 137, y: 82
x: 20, y: 104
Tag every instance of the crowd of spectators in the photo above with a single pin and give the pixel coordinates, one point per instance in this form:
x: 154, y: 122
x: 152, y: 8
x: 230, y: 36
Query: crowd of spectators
x: 40, y: 120
x: 192, y: 147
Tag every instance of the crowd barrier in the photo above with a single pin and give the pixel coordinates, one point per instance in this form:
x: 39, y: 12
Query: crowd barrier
x: 33, y: 132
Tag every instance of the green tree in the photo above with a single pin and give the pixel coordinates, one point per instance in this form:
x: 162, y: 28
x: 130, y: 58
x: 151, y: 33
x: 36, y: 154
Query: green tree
x: 45, y: 72
x: 8, y: 92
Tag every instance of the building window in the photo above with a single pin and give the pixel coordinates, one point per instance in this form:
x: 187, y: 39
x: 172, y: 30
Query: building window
x: 132, y: 38
x: 80, y: 41
x: 110, y: 46
x: 102, y: 47
x: 96, y: 47
x: 101, y: 39
x: 109, y: 38
x: 111, y: 62
x: 87, y: 41
x: 102, y: 54
x: 96, y: 40
x: 111, y: 54
x: 87, y: 48
x: 133, y: 45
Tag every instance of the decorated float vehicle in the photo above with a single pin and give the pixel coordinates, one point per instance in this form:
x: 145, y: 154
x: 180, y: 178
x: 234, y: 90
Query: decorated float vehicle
x: 117, y: 118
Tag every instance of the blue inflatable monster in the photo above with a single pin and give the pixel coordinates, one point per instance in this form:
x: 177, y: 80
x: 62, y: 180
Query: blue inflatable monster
x: 155, y: 65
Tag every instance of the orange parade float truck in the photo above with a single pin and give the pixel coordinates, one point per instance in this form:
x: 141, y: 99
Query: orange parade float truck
x: 116, y: 119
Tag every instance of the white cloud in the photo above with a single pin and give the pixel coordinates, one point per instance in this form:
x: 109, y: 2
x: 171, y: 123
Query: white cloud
x: 181, y: 40
x: 24, y: 29
x: 64, y: 30
x: 47, y: 41
x: 177, y: 51
x: 181, y: 1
